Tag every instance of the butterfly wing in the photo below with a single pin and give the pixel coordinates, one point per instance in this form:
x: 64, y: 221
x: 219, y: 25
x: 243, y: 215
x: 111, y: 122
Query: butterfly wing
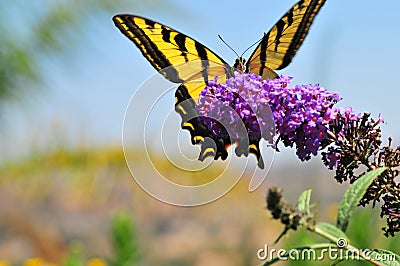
x: 180, y: 59
x: 278, y: 47
x: 170, y: 51
x: 211, y: 145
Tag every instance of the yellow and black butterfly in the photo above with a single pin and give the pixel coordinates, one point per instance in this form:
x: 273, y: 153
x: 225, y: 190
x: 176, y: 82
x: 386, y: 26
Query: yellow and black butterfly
x: 168, y: 50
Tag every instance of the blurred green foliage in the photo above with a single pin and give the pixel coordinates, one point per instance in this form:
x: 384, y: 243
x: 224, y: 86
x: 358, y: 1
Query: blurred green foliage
x: 33, y: 31
x: 124, y: 241
x: 124, y: 245
x: 74, y: 257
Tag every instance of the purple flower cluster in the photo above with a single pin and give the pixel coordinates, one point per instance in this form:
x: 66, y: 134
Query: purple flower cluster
x: 226, y: 107
x: 304, y: 117
x: 300, y: 114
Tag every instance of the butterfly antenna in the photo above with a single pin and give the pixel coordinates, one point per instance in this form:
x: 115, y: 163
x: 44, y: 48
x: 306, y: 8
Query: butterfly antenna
x: 228, y: 45
x: 253, y: 45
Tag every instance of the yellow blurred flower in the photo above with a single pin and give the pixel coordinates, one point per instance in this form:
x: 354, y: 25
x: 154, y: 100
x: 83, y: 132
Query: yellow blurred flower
x: 96, y: 262
x: 37, y: 262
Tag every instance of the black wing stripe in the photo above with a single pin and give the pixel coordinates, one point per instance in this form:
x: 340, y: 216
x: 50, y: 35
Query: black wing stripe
x: 280, y: 26
x: 263, y: 54
x: 180, y: 40
x: 205, y: 64
x: 150, y: 23
x: 166, y: 34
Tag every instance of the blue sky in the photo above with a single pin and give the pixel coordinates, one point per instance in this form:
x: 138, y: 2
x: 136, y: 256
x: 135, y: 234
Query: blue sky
x: 351, y: 49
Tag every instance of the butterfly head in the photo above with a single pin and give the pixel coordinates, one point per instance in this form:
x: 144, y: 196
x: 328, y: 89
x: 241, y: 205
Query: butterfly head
x: 240, y: 64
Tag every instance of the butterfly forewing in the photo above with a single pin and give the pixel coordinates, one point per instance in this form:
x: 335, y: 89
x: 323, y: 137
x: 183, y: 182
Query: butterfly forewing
x: 278, y: 47
x: 165, y: 47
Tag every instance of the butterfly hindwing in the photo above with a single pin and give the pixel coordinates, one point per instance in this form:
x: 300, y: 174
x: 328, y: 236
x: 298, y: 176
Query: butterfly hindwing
x: 211, y: 145
x: 278, y: 47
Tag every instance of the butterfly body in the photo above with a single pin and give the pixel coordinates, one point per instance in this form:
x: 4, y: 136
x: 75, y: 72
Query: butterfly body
x: 182, y: 59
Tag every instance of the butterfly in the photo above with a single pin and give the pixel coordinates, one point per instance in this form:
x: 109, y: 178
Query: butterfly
x: 169, y: 52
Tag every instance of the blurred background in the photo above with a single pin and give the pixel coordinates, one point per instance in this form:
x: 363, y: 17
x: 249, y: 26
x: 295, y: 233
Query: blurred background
x: 66, y: 77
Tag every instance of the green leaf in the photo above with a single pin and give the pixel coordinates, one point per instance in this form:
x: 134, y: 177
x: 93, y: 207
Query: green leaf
x: 386, y: 257
x: 74, y: 256
x: 332, y: 230
x: 353, y: 196
x: 124, y: 236
x: 303, y: 204
x: 336, y: 262
x: 347, y: 260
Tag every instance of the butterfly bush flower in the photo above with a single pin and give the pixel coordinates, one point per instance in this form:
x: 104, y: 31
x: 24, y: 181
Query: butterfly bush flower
x: 300, y: 113
x: 355, y: 142
x: 232, y: 103
x: 304, y: 116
